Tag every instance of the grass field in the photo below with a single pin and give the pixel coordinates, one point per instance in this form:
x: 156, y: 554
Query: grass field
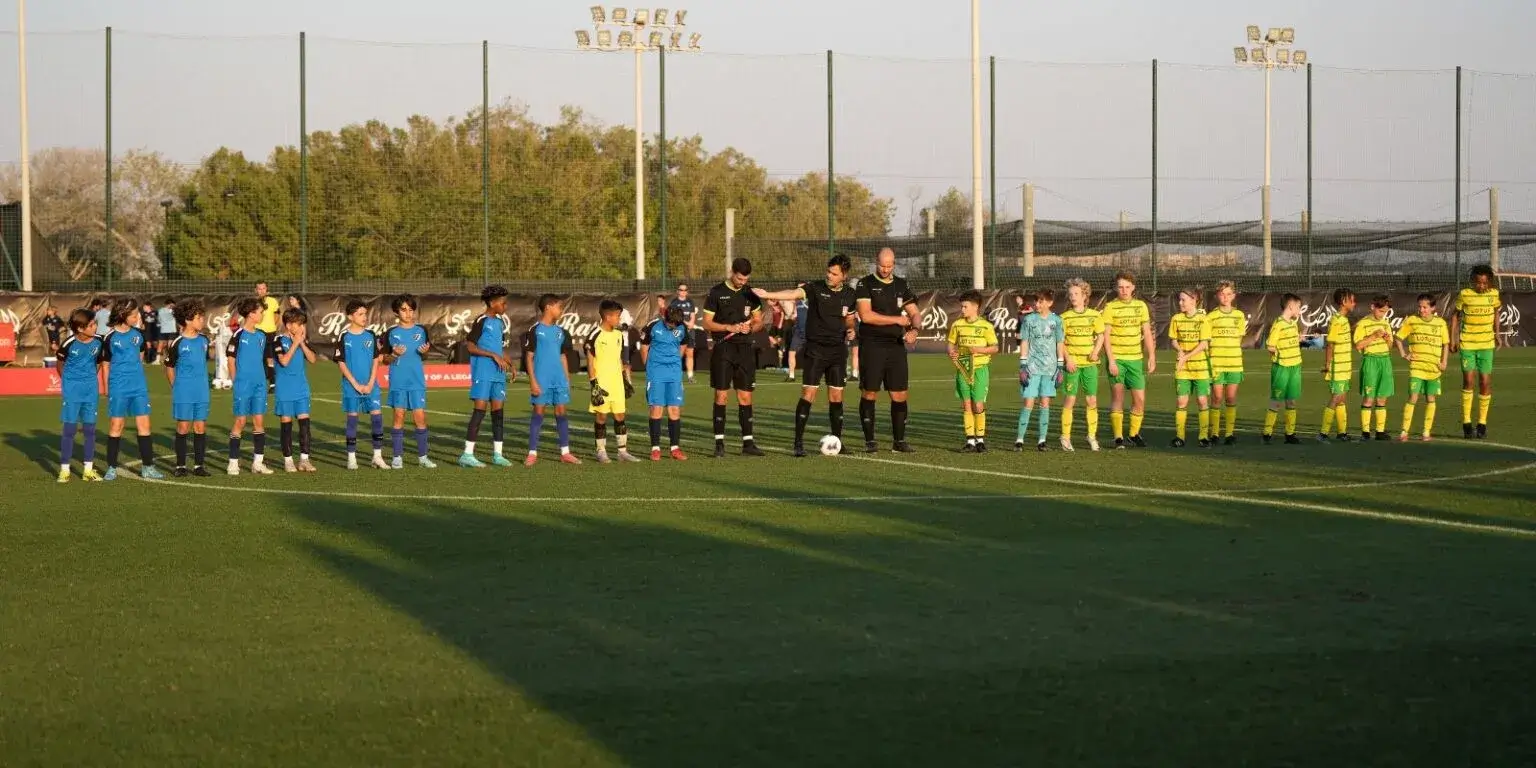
x: 1252, y: 605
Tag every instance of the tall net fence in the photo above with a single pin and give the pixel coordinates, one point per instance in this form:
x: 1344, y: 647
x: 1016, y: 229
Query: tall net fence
x: 440, y: 167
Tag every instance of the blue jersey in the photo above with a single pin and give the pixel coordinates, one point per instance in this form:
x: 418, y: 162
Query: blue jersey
x: 188, y: 356
x: 664, y: 359
x: 1043, y: 332
x: 125, y: 351
x: 77, y: 365
x: 548, y: 344
x: 250, y: 350
x: 291, y: 381
x: 406, y: 373
x: 357, y: 351
x: 489, y: 334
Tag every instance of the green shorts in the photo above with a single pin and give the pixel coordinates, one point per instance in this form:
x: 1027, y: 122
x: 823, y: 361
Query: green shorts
x: 1133, y: 374
x: 1228, y: 378
x: 1376, y: 376
x: 1201, y: 387
x: 975, y: 390
x: 1338, y: 386
x: 1477, y: 361
x: 1083, y: 381
x: 1429, y: 387
x: 1285, y: 382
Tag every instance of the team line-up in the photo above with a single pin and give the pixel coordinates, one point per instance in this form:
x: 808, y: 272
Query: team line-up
x: 1057, y: 351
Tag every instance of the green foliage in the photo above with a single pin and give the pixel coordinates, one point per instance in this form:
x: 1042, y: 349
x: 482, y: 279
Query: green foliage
x: 405, y: 202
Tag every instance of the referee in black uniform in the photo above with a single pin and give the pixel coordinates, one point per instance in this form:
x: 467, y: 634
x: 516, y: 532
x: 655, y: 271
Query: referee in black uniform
x: 731, y: 315
x: 888, y: 320
x: 828, y: 328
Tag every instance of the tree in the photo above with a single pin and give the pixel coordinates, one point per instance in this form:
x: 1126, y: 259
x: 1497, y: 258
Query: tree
x: 952, y: 213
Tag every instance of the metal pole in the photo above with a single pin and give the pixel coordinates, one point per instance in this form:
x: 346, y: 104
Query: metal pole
x: 978, y: 267
x: 1029, y: 230
x: 639, y: 168
x: 108, y: 234
x: 831, y: 175
x: 992, y: 153
x: 303, y: 164
x: 1456, y: 269
x: 485, y: 162
x: 1493, y: 229
x: 1154, y: 176
x: 1269, y: 257
x: 1310, y: 217
x: 661, y: 166
x: 932, y: 257
x: 26, y: 154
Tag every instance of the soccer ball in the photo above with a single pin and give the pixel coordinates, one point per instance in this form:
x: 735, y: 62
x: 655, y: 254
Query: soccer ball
x: 830, y: 445
x: 222, y: 384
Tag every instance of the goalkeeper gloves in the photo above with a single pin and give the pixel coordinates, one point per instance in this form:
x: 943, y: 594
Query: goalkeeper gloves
x: 598, y: 394
x: 629, y: 389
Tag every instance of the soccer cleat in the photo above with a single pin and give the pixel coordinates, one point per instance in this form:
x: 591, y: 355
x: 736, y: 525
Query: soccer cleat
x: 351, y: 461
x: 1066, y: 444
x: 289, y: 465
x: 89, y: 475
x: 871, y: 446
x: 1177, y: 442
x: 425, y: 463
x: 533, y: 458
x: 110, y: 475
x: 655, y: 454
x: 627, y: 457
x: 1093, y: 444
x: 379, y: 463
x: 1040, y: 446
x: 981, y: 446
x: 719, y: 449
x: 1230, y: 440
x: 63, y: 474
x: 1402, y: 437
x: 1204, y: 443
x: 1292, y: 440
x: 1018, y: 446
x: 1119, y: 443
x: 569, y: 458
x: 1365, y: 437
x: 1380, y: 436
x: 1137, y: 441
x: 970, y: 447
x: 260, y: 468
x: 498, y: 460
x: 602, y: 458
x: 468, y: 461
x: 234, y: 467
x: 678, y: 455
x: 1482, y: 431
x: 201, y: 472
x: 1322, y: 438
x: 903, y: 447
x: 749, y: 448
x: 150, y: 473
x: 1344, y: 437
x: 306, y: 466
x: 1466, y: 430
x: 1265, y: 439
x: 397, y: 463
x: 1425, y: 437
x: 179, y: 472
x: 798, y: 451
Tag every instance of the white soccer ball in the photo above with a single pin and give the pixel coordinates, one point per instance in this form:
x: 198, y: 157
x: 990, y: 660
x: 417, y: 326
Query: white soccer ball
x: 830, y: 445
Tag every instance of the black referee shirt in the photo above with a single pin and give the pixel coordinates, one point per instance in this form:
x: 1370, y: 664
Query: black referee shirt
x: 729, y: 306
x: 826, y: 310
x: 888, y: 298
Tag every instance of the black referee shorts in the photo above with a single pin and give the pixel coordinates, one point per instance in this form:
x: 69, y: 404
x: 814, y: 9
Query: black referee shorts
x: 883, y: 366
x: 733, y: 366
x: 824, y: 362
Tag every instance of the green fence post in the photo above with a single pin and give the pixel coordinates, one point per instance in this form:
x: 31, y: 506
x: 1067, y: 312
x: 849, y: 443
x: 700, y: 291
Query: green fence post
x: 108, y: 234
x: 303, y: 167
x: 1311, y: 217
x: 661, y: 166
x: 1456, y: 270
x: 485, y: 162
x: 1154, y: 176
x: 831, y: 182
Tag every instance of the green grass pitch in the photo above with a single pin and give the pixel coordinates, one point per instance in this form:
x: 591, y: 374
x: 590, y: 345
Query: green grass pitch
x: 1251, y: 605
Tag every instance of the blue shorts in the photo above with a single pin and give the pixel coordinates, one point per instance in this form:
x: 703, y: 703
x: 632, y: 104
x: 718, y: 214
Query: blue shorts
x: 1040, y: 385
x: 78, y: 411
x: 127, y: 406
x: 368, y: 403
x: 251, y: 405
x: 661, y: 394
x: 552, y: 396
x: 189, y: 411
x: 293, y: 408
x: 408, y: 399
x: 494, y: 391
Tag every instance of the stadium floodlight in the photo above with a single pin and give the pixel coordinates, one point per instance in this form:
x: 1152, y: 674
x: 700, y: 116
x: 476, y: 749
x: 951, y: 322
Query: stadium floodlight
x: 604, y: 39
x: 599, y: 16
x: 1240, y: 54
x: 620, y: 15
x: 677, y: 42
x: 642, y: 17
x: 1299, y: 58
x: 677, y: 18
x: 655, y: 40
x: 1253, y: 33
x: 1288, y: 35
x: 1269, y: 51
x: 583, y: 39
x: 659, y: 17
x: 693, y: 41
x: 626, y: 39
x: 1273, y: 36
x: 1257, y: 56
x: 1282, y: 57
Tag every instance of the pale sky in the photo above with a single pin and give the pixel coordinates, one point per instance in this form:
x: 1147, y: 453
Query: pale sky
x: 1074, y: 101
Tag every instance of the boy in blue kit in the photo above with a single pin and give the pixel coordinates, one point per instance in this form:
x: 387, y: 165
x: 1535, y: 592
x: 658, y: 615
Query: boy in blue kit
x: 404, y: 345
x: 547, y: 354
x: 290, y: 384
x: 122, y: 355
x: 186, y: 367
x: 357, y: 353
x: 490, y: 367
x: 662, y: 348
x: 80, y: 389
x: 247, y: 354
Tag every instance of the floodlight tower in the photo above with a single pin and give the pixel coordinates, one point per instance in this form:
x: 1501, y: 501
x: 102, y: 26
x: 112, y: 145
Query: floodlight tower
x: 642, y: 31
x: 1270, y: 51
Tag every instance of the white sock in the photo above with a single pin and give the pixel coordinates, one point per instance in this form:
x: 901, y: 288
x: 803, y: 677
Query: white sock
x: 257, y: 459
x: 469, y: 448
x: 496, y: 447
x: 564, y: 449
x: 533, y: 453
x: 89, y: 464
x: 378, y: 454
x: 303, y: 457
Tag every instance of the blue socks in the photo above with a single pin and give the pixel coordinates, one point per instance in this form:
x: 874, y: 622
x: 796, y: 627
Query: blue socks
x: 67, y: 445
x: 535, y: 426
x: 563, y: 429
x: 351, y: 433
x: 1045, y: 423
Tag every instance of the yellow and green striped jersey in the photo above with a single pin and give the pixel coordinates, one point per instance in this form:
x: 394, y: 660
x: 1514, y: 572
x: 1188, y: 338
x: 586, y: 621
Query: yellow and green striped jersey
x: 1478, y: 311
x: 1341, y: 349
x: 1227, y: 329
x: 1426, y: 342
x: 1125, y: 321
x: 1285, y: 339
x: 1082, y: 330
x: 1187, y: 331
x: 966, y: 335
x: 1369, y: 325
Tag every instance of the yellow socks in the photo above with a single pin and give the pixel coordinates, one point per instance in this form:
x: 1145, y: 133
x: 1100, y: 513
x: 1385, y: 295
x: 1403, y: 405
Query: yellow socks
x: 1408, y: 416
x: 1066, y: 423
x: 1093, y: 423
x: 1231, y: 419
x: 1381, y: 418
x: 981, y: 425
x: 1341, y: 415
x: 1466, y: 406
x: 970, y: 424
x: 1136, y: 422
x: 1365, y: 419
x: 1117, y: 424
x: 1290, y: 421
x: 1483, y: 401
x: 1215, y: 421
x: 1270, y: 417
x: 1429, y: 417
x: 1205, y: 424
x: 1180, y: 421
x: 1327, y: 420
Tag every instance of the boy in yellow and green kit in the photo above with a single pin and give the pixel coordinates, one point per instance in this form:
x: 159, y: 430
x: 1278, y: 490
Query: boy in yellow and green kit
x: 972, y: 343
x: 1373, y: 337
x: 1427, y: 353
x: 1284, y: 345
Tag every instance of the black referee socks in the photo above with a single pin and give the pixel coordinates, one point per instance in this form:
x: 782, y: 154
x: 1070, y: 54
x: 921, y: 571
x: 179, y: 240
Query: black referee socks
x: 898, y: 421
x: 744, y: 418
x: 834, y: 415
x: 719, y: 421
x: 802, y: 415
x: 867, y: 419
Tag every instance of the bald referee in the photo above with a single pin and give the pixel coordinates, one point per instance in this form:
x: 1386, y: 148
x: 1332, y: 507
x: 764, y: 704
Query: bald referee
x: 888, y: 321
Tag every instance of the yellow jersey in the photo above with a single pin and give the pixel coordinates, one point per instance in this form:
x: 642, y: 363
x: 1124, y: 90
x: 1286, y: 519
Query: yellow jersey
x: 1227, y: 329
x: 1187, y: 331
x: 1285, y: 339
x: 1341, y: 350
x: 966, y: 335
x: 1426, y: 342
x: 271, y: 312
x: 1478, y: 312
x: 1125, y: 320
x: 1082, y: 330
x: 1369, y: 325
x: 607, y: 354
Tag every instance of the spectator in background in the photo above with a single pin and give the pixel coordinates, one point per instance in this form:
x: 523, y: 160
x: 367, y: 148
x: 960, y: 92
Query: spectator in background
x: 103, y: 312
x: 53, y: 325
x: 166, y: 318
x: 151, y: 330
x: 295, y: 301
x: 271, y: 310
